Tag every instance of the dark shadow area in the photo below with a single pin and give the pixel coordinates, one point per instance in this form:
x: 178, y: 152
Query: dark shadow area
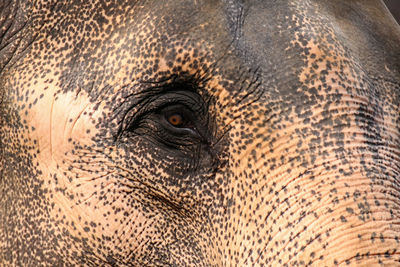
x: 394, y: 7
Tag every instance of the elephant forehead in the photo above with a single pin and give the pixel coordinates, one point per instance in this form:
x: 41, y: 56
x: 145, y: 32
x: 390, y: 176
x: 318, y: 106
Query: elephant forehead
x: 128, y: 42
x: 96, y: 47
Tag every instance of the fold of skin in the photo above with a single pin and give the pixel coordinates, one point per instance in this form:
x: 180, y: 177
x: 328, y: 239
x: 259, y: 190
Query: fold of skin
x: 303, y: 163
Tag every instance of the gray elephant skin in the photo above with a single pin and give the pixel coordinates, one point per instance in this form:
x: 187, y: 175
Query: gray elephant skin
x: 199, y: 133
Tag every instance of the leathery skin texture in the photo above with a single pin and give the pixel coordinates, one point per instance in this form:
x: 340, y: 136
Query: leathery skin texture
x: 199, y: 133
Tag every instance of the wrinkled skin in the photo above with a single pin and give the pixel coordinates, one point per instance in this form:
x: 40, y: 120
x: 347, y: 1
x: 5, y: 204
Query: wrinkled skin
x: 199, y: 133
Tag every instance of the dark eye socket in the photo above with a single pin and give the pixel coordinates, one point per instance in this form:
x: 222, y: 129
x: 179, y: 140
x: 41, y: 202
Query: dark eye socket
x: 175, y: 118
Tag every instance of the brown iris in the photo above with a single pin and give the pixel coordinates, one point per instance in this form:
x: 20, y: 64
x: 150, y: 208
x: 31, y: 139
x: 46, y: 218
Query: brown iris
x: 176, y: 120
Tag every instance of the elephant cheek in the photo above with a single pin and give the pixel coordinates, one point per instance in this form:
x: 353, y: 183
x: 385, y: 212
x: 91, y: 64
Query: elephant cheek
x: 304, y: 223
x: 289, y: 205
x: 81, y: 196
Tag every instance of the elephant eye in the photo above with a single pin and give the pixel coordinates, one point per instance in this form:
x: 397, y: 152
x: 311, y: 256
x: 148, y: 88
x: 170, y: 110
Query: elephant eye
x: 178, y: 118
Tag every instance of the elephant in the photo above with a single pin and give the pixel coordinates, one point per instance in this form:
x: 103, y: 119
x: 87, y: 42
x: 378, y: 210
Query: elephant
x: 199, y: 133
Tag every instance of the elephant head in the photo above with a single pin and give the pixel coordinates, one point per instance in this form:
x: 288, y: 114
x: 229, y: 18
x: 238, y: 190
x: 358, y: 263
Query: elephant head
x: 199, y: 133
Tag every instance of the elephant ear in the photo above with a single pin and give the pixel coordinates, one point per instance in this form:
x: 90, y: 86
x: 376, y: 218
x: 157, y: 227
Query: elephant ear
x: 15, y: 37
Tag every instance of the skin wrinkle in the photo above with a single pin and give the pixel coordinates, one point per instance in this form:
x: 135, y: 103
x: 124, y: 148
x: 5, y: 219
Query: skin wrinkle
x: 11, y: 40
x: 51, y: 127
x: 73, y: 123
x: 394, y: 252
x: 153, y: 190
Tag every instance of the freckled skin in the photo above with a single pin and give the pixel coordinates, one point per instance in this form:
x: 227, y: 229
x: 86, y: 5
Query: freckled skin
x: 284, y: 148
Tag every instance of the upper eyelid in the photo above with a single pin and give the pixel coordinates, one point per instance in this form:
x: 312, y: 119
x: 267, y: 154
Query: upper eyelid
x: 192, y: 100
